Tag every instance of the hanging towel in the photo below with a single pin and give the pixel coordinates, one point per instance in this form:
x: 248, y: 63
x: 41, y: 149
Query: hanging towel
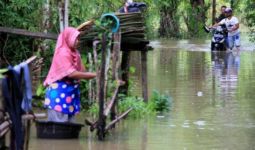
x: 12, y: 95
x: 23, y: 70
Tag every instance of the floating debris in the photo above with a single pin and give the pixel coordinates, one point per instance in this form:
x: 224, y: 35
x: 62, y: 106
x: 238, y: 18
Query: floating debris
x: 199, y: 93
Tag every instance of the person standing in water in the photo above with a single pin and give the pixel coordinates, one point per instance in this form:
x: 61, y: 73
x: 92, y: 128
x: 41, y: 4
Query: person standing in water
x: 232, y: 25
x: 222, y: 15
x: 62, y: 97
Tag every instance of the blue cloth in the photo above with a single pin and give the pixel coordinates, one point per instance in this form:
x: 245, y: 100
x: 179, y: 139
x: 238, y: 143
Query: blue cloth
x: 134, y: 7
x: 63, y: 96
x: 12, y: 94
x: 27, y: 90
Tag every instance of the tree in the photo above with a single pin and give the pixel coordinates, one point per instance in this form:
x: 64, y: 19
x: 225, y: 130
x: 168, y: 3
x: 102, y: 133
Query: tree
x: 195, y: 16
x: 213, y: 11
x: 250, y: 17
x: 169, y: 20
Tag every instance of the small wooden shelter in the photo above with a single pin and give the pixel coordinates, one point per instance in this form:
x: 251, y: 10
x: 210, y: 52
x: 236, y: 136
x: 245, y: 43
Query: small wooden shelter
x: 130, y: 37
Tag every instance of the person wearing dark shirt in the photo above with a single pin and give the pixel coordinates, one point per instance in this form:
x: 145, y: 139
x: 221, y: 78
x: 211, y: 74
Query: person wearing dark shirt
x: 222, y: 15
x: 131, y: 7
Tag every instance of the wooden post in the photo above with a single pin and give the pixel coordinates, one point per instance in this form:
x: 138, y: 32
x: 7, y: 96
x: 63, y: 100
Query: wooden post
x: 213, y: 11
x: 27, y: 126
x: 125, y: 71
x: 144, y: 75
x: 101, y: 122
x: 115, y: 67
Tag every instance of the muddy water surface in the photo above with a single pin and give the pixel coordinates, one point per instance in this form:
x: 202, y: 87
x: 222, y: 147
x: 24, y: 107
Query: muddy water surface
x: 213, y: 103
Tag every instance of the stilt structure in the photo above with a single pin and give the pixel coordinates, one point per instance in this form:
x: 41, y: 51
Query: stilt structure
x: 130, y: 37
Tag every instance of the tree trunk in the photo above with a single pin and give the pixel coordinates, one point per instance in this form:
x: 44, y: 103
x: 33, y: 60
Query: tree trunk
x: 66, y: 14
x: 169, y: 23
x: 195, y: 17
x: 101, y: 122
x: 61, y: 15
x: 213, y: 11
x: 198, y: 7
x: 63, y: 11
x: 232, y: 3
x: 115, y: 68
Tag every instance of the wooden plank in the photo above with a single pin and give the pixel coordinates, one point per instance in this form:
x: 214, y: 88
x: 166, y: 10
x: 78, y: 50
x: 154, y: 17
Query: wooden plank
x: 35, y: 116
x: 28, y: 33
x: 111, y: 103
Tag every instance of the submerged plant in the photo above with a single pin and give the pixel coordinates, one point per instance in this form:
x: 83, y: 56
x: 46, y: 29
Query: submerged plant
x: 160, y: 102
x: 140, y: 108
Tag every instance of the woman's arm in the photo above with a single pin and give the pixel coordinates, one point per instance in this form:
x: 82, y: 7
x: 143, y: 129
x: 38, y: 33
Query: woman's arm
x: 82, y: 75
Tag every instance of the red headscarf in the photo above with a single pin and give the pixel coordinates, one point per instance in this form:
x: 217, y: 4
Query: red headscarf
x: 66, y: 59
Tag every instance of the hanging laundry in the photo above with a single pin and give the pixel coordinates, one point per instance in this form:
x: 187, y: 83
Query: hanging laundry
x: 12, y: 95
x: 23, y: 70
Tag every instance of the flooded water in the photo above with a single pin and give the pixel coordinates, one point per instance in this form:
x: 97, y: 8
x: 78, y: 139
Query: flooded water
x: 213, y: 103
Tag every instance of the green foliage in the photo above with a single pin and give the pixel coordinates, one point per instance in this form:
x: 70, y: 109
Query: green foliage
x: 23, y: 14
x: 140, y: 109
x: 94, y: 110
x: 2, y: 71
x: 132, y: 69
x: 39, y: 96
x: 250, y: 17
x: 160, y: 102
x: 40, y: 91
x: 84, y: 87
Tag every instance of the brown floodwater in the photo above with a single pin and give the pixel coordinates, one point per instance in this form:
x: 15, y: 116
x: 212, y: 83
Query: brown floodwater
x: 213, y: 103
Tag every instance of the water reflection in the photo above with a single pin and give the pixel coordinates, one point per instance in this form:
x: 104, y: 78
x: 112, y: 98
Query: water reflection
x: 225, y: 69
